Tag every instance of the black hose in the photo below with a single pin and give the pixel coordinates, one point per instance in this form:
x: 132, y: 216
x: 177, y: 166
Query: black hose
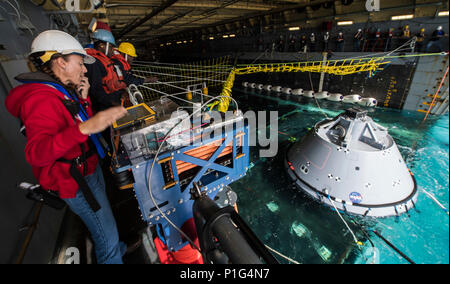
x: 393, y: 247
x: 368, y: 237
x: 31, y: 229
x: 386, y: 241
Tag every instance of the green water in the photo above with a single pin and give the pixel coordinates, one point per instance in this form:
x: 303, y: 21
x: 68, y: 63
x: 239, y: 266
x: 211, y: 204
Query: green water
x: 287, y: 220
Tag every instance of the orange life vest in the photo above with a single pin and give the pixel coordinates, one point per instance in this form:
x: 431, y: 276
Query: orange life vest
x: 125, y: 64
x: 113, y: 81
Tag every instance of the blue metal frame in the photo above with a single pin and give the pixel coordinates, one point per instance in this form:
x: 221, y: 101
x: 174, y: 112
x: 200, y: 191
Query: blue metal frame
x: 179, y: 206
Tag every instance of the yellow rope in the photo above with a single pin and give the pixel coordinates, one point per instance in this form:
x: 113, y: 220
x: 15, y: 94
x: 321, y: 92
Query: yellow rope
x: 219, y: 67
x: 339, y: 68
x: 224, y: 102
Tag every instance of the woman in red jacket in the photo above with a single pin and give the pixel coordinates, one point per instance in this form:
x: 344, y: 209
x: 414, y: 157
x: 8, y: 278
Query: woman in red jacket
x: 62, y: 144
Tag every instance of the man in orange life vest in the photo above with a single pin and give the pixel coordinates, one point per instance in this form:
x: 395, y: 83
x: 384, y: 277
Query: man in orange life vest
x: 106, y: 80
x: 123, y: 57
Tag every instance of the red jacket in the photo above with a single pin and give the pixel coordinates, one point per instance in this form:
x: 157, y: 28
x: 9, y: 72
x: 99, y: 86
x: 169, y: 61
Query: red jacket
x: 51, y: 134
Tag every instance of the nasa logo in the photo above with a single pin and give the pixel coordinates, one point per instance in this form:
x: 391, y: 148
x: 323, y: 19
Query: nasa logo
x: 355, y: 197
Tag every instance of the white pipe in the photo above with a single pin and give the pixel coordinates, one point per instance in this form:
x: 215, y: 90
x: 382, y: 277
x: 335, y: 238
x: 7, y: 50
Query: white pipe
x: 322, y: 75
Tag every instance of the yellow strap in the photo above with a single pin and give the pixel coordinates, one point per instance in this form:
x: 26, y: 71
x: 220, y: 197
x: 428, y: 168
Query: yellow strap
x: 47, y: 56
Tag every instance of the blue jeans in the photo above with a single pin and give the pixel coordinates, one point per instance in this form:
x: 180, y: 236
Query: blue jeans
x: 435, y: 43
x: 101, y: 224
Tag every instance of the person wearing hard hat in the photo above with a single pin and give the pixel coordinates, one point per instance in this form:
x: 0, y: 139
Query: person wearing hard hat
x: 357, y: 40
x: 435, y: 43
x: 63, y: 146
x: 378, y: 44
x: 312, y: 42
x: 340, y: 42
x: 123, y: 57
x: 107, y: 81
x: 389, y: 39
x: 326, y: 38
x: 420, y: 39
x: 405, y: 36
x: 303, y: 43
x: 406, y: 32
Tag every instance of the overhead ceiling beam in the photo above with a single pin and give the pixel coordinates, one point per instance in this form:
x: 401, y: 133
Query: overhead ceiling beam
x: 253, y: 15
x: 202, y: 4
x: 154, y: 12
x: 168, y: 20
x: 172, y: 12
x: 208, y: 14
x: 246, y: 5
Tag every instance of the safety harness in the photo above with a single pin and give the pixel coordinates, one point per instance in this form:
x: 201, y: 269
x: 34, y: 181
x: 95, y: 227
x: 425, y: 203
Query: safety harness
x: 75, y: 108
x: 79, y: 178
x: 82, y: 159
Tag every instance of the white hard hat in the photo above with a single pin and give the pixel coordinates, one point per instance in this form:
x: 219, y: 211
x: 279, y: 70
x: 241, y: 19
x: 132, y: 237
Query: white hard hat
x: 439, y: 28
x: 54, y: 41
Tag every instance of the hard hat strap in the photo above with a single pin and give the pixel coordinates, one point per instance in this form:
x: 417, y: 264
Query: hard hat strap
x: 47, y: 56
x: 107, y: 48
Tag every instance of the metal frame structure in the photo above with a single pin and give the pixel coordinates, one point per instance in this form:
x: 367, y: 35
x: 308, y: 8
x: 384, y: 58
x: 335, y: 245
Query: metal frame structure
x: 174, y: 199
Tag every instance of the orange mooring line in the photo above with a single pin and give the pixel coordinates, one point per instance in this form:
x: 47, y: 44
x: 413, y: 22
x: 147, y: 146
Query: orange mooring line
x: 435, y: 96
